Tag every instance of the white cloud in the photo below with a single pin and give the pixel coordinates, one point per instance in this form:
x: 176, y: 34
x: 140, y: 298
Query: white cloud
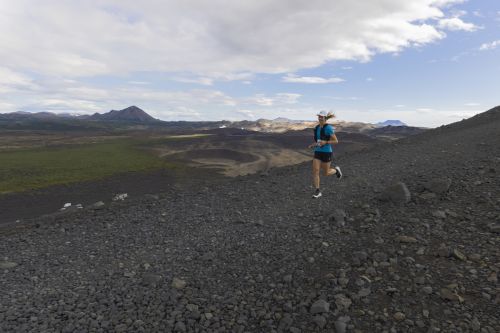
x: 139, y: 82
x: 424, y: 110
x: 176, y: 113
x: 6, y: 107
x: 369, y: 79
x: 291, y: 78
x: 275, y: 100
x: 456, y: 24
x: 201, y: 80
x: 212, y: 77
x: 123, y: 36
x: 457, y: 116
x: 489, y: 46
x: 245, y: 114
x: 472, y: 104
x: 13, y: 81
x: 342, y: 98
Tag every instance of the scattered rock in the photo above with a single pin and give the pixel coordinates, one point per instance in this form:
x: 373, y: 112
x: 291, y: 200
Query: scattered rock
x: 340, y: 326
x: 439, y: 214
x: 450, y: 295
x: 7, y: 264
x: 320, y: 306
x: 397, y: 194
x: 178, y: 283
x: 342, y: 302
x: 339, y: 216
x: 443, y: 251
x: 320, y: 321
x: 494, y: 227
x: 380, y: 256
x: 427, y: 290
x: 438, y: 185
x: 98, y: 205
x: 459, y: 255
x: 399, y: 316
x: 364, y: 292
x: 150, y: 279
x: 493, y: 277
x: 120, y: 197
x: 406, y: 239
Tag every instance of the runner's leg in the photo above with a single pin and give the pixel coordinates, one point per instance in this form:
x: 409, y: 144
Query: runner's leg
x: 315, y: 172
x: 327, y: 170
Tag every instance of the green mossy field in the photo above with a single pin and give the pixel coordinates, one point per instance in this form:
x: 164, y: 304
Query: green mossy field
x: 28, y: 169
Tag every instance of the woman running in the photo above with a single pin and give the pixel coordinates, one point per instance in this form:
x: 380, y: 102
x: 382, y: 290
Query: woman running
x: 324, y: 137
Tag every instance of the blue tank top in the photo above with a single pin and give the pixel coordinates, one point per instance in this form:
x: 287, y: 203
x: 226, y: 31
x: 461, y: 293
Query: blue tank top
x: 329, y: 131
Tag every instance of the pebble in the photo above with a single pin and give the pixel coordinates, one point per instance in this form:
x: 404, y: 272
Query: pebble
x: 475, y: 324
x: 449, y: 295
x: 399, y: 316
x: 340, y: 326
x: 427, y: 290
x: 320, y: 321
x: 493, y: 277
x: 439, y: 214
x: 320, y: 306
x: 7, y: 264
x: 459, y: 255
x: 342, y: 302
x: 178, y: 283
x: 406, y: 239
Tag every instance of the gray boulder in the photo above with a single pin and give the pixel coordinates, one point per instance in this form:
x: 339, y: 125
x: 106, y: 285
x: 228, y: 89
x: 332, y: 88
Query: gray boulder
x: 397, y: 193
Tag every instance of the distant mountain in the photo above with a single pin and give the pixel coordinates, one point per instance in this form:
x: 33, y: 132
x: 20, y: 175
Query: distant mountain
x: 392, y: 123
x: 132, y: 113
x: 135, y: 118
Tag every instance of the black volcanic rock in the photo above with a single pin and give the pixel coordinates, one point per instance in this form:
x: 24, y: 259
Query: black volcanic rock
x: 256, y: 254
x: 132, y: 114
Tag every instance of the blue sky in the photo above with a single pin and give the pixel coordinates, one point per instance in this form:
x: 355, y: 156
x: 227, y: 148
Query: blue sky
x: 425, y: 62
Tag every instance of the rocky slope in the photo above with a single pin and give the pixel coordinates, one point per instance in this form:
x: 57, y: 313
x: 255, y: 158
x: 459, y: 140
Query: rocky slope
x: 258, y: 254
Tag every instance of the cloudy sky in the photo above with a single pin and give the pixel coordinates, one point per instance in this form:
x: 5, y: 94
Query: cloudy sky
x: 425, y: 62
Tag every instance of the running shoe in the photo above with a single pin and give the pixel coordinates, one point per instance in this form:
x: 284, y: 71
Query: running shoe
x: 317, y: 194
x: 338, y: 173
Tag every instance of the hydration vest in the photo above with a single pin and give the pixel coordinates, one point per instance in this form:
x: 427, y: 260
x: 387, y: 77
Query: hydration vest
x: 322, y: 136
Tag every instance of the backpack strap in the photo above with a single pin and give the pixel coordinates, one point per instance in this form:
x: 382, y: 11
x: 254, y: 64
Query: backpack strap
x: 316, y: 133
x: 323, y: 134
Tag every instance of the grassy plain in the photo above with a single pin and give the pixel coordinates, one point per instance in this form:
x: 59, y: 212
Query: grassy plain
x: 33, y: 168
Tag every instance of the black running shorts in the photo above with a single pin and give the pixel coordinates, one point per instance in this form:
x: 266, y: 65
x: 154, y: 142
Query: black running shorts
x: 323, y: 157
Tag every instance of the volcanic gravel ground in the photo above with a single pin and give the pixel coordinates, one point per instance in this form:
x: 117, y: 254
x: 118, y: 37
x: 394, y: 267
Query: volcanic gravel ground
x: 258, y: 254
x: 27, y: 205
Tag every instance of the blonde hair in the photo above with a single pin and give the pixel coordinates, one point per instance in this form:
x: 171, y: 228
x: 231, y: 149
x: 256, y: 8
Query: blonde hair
x: 330, y: 115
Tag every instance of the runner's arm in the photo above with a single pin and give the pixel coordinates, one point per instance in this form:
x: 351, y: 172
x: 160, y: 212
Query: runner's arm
x: 333, y: 140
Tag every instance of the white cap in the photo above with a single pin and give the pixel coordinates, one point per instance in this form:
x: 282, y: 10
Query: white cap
x: 322, y: 113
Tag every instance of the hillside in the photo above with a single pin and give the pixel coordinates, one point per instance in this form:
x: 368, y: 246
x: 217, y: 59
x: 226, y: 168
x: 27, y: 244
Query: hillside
x: 258, y: 254
x: 130, y: 114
